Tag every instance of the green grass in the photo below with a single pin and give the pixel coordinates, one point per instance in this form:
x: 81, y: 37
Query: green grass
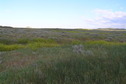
x: 60, y: 65
x: 102, y: 42
x: 36, y: 45
x: 76, y: 59
x: 28, y: 43
x: 4, y: 47
x: 39, y: 43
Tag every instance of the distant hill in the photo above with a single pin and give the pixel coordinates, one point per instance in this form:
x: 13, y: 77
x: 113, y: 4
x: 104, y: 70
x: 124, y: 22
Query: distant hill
x: 6, y: 27
x: 111, y: 29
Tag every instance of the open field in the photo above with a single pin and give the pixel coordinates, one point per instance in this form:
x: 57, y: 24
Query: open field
x: 62, y: 56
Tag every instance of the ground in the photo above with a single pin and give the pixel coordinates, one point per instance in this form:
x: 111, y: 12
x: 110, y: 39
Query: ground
x: 62, y: 56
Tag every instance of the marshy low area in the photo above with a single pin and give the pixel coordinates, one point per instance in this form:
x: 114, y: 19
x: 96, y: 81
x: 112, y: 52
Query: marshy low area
x: 62, y: 56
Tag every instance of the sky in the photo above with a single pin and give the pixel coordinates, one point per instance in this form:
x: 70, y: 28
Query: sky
x: 63, y: 13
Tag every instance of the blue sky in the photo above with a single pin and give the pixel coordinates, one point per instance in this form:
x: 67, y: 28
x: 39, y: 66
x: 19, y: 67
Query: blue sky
x: 63, y: 13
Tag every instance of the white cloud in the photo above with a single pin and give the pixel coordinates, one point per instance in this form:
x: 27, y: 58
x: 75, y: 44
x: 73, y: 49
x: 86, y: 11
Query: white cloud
x: 108, y: 18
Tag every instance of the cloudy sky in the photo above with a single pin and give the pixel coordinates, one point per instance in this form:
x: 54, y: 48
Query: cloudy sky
x: 63, y: 13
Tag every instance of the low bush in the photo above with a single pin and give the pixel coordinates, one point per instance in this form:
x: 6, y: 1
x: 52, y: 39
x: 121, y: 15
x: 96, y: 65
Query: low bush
x: 6, y: 41
x: 23, y: 41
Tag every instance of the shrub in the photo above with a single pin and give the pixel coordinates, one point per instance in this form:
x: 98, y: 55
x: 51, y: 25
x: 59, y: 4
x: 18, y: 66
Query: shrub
x: 6, y: 41
x: 76, y: 42
x: 42, y: 40
x: 23, y: 41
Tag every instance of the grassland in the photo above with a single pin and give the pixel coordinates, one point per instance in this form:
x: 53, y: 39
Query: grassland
x: 62, y: 56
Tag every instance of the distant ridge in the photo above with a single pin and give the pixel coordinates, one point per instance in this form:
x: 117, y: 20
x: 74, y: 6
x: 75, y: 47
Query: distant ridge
x: 6, y: 27
x: 111, y: 29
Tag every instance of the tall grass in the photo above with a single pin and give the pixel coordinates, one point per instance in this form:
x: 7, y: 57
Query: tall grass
x: 63, y: 66
x: 100, y: 62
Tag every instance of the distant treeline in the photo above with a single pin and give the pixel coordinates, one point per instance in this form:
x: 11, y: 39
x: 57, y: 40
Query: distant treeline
x: 6, y: 27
